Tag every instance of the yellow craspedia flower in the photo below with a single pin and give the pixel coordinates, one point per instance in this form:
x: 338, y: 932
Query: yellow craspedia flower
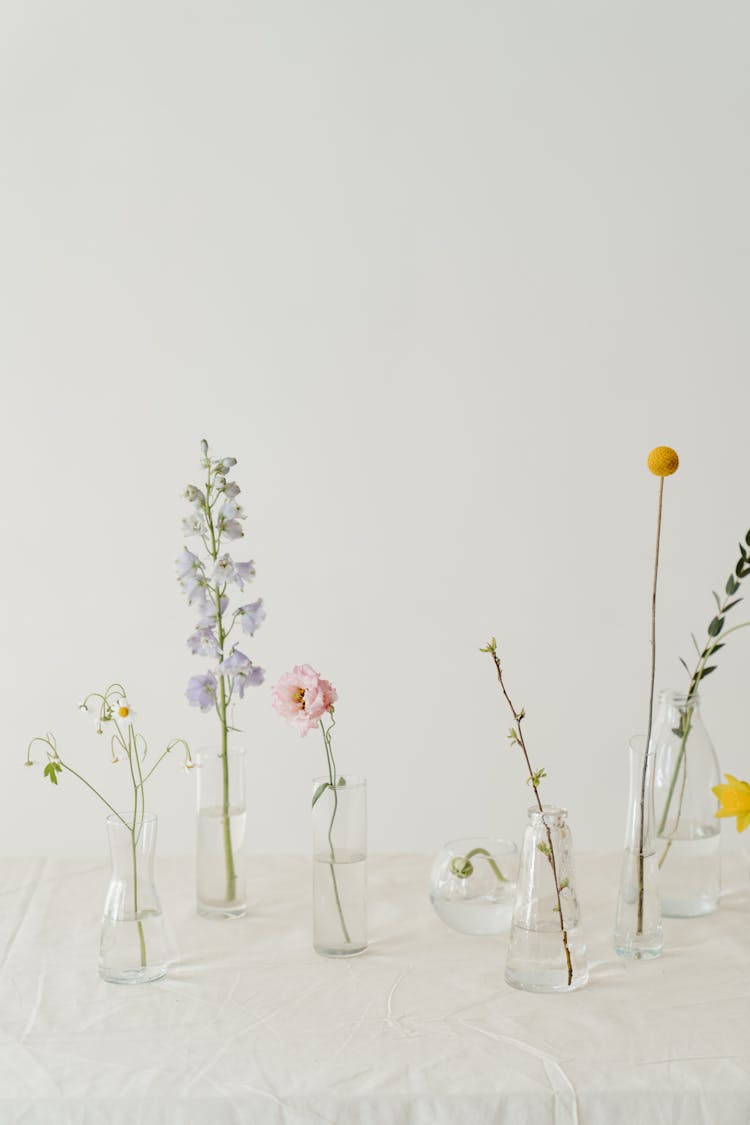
x: 663, y: 461
x: 735, y: 800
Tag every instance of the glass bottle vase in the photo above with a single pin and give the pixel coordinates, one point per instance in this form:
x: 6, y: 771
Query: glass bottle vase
x: 339, y: 816
x: 133, y: 947
x: 220, y: 858
x: 687, y: 832
x: 546, y: 949
x: 638, y: 928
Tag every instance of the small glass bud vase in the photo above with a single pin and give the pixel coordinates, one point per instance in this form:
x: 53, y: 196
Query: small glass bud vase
x: 220, y: 858
x: 473, y: 884
x: 638, y: 928
x: 546, y: 950
x: 133, y: 948
x: 339, y: 816
x: 687, y: 833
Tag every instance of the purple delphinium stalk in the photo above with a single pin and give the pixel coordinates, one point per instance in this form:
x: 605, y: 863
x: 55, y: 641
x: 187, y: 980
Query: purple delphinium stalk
x: 206, y: 581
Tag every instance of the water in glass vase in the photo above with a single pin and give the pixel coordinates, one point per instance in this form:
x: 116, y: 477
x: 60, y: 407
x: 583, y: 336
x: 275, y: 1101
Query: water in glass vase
x: 133, y: 948
x: 218, y: 894
x: 340, y: 912
x: 689, y: 875
x: 536, y: 959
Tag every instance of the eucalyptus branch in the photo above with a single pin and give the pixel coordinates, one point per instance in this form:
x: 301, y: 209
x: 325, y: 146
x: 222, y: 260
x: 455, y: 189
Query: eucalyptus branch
x: 714, y: 631
x: 534, y: 777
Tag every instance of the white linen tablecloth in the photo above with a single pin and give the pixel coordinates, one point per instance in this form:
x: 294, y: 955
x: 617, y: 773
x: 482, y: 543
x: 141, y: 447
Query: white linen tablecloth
x: 251, y: 1026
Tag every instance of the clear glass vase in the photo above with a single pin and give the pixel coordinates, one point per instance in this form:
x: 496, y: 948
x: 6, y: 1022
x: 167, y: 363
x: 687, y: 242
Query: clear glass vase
x: 546, y: 949
x: 473, y: 884
x: 220, y: 858
x: 133, y: 947
x: 339, y: 816
x: 687, y: 832
x: 638, y: 928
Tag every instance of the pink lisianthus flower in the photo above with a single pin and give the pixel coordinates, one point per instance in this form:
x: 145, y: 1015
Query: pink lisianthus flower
x: 302, y: 696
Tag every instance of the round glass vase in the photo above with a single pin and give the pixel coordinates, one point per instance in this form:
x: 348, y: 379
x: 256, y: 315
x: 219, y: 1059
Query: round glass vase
x: 339, y: 822
x: 546, y: 949
x: 687, y: 833
x: 473, y: 884
x: 133, y: 947
x: 638, y: 928
x: 220, y: 858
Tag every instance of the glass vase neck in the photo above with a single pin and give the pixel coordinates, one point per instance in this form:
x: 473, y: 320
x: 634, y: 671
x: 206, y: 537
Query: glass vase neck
x: 550, y: 815
x: 679, y: 699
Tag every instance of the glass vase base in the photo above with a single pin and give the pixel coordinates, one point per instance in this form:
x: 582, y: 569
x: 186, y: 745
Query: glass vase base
x: 339, y: 950
x: 146, y: 975
x: 645, y: 950
x: 540, y: 981
x: 222, y: 909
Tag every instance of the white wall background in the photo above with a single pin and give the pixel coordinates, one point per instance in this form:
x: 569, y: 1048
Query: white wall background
x: 439, y: 274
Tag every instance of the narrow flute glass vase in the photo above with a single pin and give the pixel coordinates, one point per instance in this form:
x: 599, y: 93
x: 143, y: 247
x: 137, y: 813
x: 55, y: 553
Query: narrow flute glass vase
x: 687, y: 832
x: 221, y: 834
x: 339, y: 816
x: 638, y: 929
x: 546, y: 950
x: 133, y: 948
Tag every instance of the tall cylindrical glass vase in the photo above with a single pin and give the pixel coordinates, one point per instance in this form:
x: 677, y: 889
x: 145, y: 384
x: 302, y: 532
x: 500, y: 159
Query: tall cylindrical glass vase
x: 339, y: 816
x: 638, y: 928
x: 220, y: 858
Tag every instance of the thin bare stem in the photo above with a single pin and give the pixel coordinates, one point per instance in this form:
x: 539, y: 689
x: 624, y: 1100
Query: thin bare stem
x: 518, y: 717
x: 649, y: 727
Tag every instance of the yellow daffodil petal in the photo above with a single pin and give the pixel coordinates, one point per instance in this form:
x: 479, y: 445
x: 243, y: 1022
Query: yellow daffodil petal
x: 743, y: 819
x: 734, y: 799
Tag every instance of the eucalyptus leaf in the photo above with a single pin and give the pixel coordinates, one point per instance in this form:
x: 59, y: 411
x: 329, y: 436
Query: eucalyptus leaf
x: 707, y: 671
x: 716, y: 626
x: 732, y: 585
x: 747, y: 538
x: 732, y: 605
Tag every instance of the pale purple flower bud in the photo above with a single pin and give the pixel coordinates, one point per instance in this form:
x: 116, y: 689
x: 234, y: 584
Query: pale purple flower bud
x: 187, y: 563
x: 208, y: 613
x: 252, y: 616
x: 245, y: 573
x: 241, y: 671
x: 203, y: 642
x: 232, y: 529
x: 193, y: 525
x: 201, y: 691
x: 225, y: 465
x: 194, y: 496
x: 230, y: 489
x: 224, y: 570
x: 231, y: 510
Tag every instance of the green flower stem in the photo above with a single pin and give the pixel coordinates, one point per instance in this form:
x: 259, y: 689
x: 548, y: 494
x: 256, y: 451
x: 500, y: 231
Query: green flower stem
x: 463, y: 864
x: 642, y: 834
x: 332, y: 778
x: 221, y: 705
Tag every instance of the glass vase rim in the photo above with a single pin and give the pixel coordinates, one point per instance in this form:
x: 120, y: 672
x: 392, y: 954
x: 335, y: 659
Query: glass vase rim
x: 352, y: 781
x: 672, y: 695
x: 118, y: 818
x: 208, y: 753
x: 547, y: 810
x: 508, y: 846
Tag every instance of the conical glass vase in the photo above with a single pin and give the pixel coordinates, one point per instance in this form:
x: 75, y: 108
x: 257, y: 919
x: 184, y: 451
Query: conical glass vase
x: 638, y: 928
x: 546, y: 949
x: 133, y: 947
x: 220, y: 856
x: 687, y: 832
